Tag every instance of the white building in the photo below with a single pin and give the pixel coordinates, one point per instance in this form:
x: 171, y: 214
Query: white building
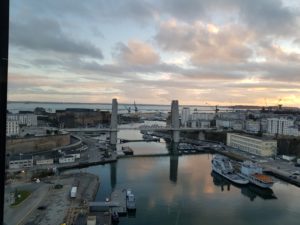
x: 20, y: 161
x: 223, y: 123
x: 202, y: 116
x: 237, y: 125
x: 185, y: 116
x: 44, y: 160
x: 252, y: 126
x: 29, y: 119
x: 67, y: 159
x: 12, y: 128
x: 74, y: 153
x: 253, y: 145
x: 232, y: 115
x: 229, y: 124
x: 280, y: 126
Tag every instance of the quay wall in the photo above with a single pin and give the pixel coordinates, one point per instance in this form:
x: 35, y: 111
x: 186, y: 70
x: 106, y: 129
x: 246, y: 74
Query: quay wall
x: 36, y: 144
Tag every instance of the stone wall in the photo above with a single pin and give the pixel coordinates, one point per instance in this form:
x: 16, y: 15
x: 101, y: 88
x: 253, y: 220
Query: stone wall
x: 35, y: 144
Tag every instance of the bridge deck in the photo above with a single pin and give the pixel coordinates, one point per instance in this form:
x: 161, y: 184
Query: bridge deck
x: 134, y: 128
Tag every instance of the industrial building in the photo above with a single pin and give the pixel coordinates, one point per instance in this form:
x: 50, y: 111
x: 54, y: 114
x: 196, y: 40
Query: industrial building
x: 20, y: 161
x: 251, y: 144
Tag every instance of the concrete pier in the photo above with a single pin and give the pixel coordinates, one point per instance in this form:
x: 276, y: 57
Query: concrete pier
x: 119, y: 196
x: 175, y: 121
x: 114, y: 122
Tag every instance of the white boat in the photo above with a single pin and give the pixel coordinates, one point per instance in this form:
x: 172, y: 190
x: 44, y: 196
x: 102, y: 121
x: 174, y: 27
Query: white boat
x: 254, y: 174
x: 130, y: 200
x: 222, y: 165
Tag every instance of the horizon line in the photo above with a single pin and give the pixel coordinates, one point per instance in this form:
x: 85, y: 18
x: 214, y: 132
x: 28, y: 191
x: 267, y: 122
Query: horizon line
x: 105, y: 103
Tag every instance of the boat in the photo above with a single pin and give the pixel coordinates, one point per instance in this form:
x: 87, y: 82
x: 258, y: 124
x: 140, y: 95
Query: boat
x: 127, y: 150
x: 130, y: 200
x: 254, y: 174
x: 251, y: 191
x: 222, y: 165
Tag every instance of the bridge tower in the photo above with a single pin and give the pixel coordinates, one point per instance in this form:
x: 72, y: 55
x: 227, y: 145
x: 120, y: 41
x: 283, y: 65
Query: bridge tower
x: 114, y: 123
x: 175, y: 121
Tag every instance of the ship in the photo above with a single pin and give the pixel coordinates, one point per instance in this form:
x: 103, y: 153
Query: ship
x: 130, y: 200
x: 222, y: 165
x: 254, y: 174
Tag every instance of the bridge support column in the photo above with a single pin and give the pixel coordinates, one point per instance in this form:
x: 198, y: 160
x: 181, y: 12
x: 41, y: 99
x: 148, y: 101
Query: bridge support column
x: 175, y: 121
x: 114, y: 123
x: 201, y: 136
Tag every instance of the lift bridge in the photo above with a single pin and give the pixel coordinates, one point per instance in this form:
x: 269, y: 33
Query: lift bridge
x: 113, y: 130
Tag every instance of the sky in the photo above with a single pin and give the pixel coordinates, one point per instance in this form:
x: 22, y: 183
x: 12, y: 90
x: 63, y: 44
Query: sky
x: 200, y: 52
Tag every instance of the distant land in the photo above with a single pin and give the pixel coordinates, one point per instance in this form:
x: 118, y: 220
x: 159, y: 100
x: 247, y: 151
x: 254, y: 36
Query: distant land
x: 141, y: 104
x: 260, y: 107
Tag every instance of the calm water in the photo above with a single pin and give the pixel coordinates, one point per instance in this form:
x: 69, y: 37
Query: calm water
x: 182, y: 190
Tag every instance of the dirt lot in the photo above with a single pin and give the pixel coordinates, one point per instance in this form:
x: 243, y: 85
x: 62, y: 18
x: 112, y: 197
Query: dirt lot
x: 53, y: 204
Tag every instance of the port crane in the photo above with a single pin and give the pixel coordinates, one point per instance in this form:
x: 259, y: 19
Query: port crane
x: 128, y: 109
x: 135, y: 108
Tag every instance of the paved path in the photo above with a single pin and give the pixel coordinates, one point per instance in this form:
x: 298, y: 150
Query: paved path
x: 15, y: 215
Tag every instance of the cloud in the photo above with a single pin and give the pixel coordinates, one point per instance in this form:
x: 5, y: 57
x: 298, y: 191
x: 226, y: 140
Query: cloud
x: 271, y: 51
x: 206, y: 43
x: 137, y: 53
x: 46, y: 35
x: 93, y: 12
x: 196, y: 50
x: 268, y: 16
x: 264, y: 16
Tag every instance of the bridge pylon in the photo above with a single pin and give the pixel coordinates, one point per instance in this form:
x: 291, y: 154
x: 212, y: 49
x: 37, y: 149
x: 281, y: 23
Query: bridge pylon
x: 114, y: 123
x: 175, y: 121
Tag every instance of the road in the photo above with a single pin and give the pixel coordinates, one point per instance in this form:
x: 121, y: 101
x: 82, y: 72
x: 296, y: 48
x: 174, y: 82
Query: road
x: 15, y: 215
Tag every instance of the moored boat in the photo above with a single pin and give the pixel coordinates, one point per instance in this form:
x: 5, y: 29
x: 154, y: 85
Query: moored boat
x: 130, y: 200
x: 254, y: 174
x: 222, y: 165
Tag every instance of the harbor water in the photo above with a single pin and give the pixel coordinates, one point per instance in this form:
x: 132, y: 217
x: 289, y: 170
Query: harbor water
x: 183, y: 190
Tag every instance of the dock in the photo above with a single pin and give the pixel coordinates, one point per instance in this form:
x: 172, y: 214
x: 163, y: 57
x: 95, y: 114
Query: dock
x: 145, y: 140
x: 282, y: 175
x: 119, y: 196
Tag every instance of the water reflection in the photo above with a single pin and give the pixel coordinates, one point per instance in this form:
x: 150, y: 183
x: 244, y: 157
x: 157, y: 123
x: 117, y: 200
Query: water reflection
x: 251, y: 191
x: 173, y: 168
x: 113, y: 175
x: 173, y: 150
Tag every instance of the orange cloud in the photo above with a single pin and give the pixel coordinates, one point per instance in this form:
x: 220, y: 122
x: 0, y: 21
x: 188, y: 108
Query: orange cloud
x: 139, y: 53
x: 206, y: 43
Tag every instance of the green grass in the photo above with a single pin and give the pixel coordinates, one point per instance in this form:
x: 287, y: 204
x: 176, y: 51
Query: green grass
x: 23, y: 195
